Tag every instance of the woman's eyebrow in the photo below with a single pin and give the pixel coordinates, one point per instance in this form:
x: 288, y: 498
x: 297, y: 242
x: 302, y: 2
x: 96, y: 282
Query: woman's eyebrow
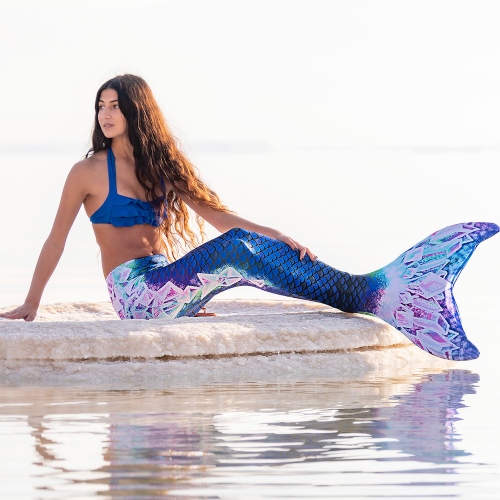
x: 114, y: 100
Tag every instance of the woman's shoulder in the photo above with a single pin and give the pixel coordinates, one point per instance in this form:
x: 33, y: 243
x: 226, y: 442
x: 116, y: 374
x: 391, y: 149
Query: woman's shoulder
x: 95, y: 160
x: 90, y: 164
x: 89, y: 170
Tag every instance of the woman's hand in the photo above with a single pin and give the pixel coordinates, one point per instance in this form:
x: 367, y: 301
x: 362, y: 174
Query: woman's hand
x: 26, y: 311
x: 294, y: 245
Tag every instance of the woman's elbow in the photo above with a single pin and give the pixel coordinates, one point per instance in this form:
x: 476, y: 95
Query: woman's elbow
x: 55, y: 245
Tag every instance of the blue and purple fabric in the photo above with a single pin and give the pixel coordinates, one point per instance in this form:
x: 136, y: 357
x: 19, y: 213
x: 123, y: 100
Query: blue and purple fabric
x: 413, y: 293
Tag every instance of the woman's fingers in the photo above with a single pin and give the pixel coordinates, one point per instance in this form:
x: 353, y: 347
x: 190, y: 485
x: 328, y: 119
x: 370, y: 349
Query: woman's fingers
x: 8, y: 314
x: 303, y: 251
x: 11, y: 314
x: 19, y: 313
x: 294, y: 245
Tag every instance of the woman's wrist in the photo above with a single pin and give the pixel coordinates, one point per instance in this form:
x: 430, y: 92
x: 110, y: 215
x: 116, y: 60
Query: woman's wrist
x: 32, y: 302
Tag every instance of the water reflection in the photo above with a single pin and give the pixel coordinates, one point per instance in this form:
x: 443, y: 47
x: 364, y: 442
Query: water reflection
x: 149, y: 442
x: 418, y: 425
x: 423, y: 420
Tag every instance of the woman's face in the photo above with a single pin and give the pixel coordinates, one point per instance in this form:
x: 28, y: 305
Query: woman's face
x: 113, y: 123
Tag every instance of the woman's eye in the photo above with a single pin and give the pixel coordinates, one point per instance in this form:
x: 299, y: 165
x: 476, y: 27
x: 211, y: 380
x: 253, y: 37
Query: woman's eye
x: 102, y: 107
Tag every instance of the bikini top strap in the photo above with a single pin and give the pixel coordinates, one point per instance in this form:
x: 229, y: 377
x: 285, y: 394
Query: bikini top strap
x: 112, y: 172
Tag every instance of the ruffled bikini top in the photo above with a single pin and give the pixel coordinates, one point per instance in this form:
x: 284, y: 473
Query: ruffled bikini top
x: 123, y: 211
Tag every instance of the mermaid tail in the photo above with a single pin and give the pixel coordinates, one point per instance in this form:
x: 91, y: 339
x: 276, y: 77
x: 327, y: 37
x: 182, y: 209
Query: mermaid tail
x: 150, y: 287
x: 413, y: 293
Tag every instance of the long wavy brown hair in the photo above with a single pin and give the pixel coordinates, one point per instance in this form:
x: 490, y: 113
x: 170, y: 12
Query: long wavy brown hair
x: 158, y: 158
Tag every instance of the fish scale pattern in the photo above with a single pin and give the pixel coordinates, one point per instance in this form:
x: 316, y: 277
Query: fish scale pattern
x: 151, y: 287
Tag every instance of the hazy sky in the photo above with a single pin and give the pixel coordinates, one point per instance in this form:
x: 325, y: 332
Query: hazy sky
x: 348, y: 73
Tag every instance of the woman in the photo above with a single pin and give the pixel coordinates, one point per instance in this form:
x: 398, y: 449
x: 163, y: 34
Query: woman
x: 136, y: 187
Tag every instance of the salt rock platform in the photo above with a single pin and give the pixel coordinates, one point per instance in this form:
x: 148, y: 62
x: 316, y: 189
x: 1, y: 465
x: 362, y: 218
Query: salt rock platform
x: 246, y: 340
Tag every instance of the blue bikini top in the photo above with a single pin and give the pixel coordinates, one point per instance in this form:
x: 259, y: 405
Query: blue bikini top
x: 123, y: 211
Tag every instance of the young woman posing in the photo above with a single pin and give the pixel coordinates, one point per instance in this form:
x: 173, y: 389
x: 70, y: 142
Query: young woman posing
x: 136, y: 187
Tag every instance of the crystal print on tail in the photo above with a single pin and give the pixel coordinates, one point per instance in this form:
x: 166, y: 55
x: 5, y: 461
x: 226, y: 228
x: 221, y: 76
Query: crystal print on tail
x: 414, y: 292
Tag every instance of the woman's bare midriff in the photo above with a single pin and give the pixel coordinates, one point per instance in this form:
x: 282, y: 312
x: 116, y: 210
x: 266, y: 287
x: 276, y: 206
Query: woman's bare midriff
x: 121, y: 244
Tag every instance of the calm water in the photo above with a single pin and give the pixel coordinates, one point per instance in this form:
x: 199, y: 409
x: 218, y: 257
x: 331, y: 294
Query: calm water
x: 295, y: 439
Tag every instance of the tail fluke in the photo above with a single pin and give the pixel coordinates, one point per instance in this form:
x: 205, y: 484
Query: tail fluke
x: 414, y: 293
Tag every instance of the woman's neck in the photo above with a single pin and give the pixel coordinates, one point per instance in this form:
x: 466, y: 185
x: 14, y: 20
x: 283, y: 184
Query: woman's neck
x: 122, y: 148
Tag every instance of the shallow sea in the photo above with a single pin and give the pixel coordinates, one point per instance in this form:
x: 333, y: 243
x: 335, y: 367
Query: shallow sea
x: 431, y: 434
x: 316, y: 438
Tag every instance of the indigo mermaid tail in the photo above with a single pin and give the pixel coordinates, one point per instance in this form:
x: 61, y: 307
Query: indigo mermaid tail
x: 415, y: 292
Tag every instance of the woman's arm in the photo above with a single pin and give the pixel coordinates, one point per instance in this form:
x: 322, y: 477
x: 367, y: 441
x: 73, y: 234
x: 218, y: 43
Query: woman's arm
x: 224, y: 221
x: 71, y: 200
